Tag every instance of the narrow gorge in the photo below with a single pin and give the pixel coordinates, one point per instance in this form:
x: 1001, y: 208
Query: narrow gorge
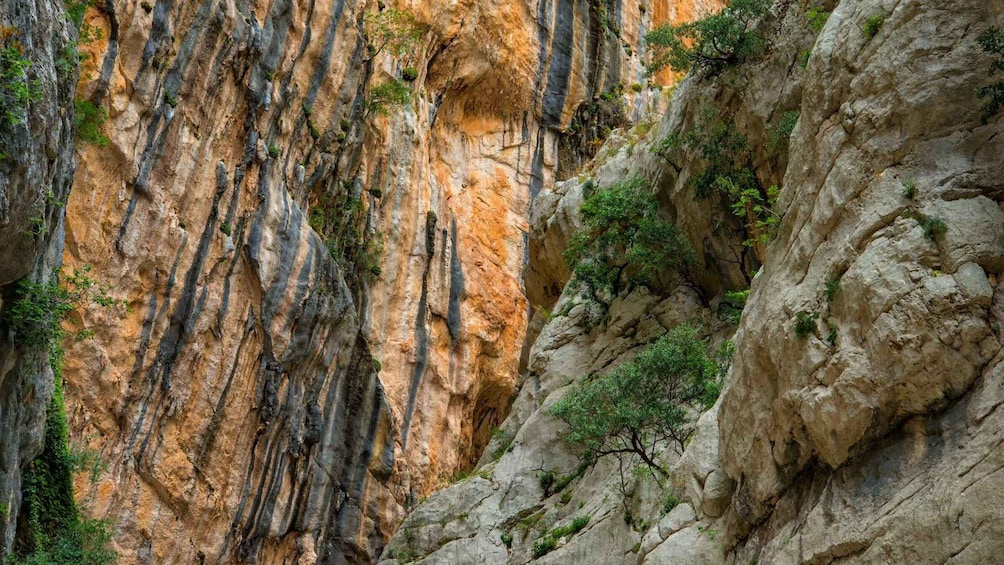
x: 689, y: 282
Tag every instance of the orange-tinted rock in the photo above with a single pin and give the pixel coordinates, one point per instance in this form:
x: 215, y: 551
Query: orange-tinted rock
x: 237, y: 403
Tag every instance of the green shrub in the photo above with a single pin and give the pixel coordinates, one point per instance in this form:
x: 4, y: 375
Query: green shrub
x: 817, y: 18
x: 733, y: 303
x: 933, y: 227
x: 832, y: 288
x: 622, y: 234
x: 724, y: 150
x: 728, y: 170
x: 669, y: 503
x: 394, y: 31
x: 88, y: 121
x: 993, y: 43
x: 637, y: 87
x: 546, y: 481
x: 507, y: 539
x: 543, y: 546
x: 410, y: 74
x: 909, y: 189
x: 872, y: 25
x: 709, y: 45
x: 779, y: 134
x: 226, y: 228
x: 640, y: 404
x: 54, y: 532
x: 273, y: 151
x: 385, y: 96
x: 803, y: 58
x: 758, y: 211
x: 548, y: 541
x: 831, y: 337
x: 36, y: 316
x: 805, y: 323
x: 17, y: 91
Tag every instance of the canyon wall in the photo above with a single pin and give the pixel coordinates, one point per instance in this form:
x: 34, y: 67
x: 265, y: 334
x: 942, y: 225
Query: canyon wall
x: 859, y: 421
x: 36, y: 172
x: 325, y: 309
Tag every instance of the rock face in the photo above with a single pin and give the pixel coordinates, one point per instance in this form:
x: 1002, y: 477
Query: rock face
x: 326, y: 310
x: 36, y: 172
x: 871, y: 437
x: 894, y: 416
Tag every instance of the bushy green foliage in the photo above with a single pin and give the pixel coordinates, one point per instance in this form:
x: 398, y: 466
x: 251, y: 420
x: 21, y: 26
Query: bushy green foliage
x: 336, y: 218
x: 385, y: 96
x: 832, y: 288
x: 733, y: 303
x: 37, y: 314
x: 817, y: 18
x: 993, y: 43
x: 873, y: 25
x: 17, y: 90
x: 641, y: 405
x: 59, y: 535
x: 410, y: 74
x: 933, y: 227
x: 728, y: 170
x: 723, y: 149
x: 805, y: 323
x: 910, y: 189
x: 543, y: 546
x: 711, y: 44
x: 56, y: 534
x: 548, y: 541
x: 88, y: 120
x: 623, y: 233
x: 394, y: 31
x: 759, y: 211
x: 669, y: 503
x: 779, y: 133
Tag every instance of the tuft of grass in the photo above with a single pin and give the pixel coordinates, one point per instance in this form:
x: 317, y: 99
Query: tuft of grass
x: 873, y: 25
x: 909, y: 189
x: 669, y: 503
x: 805, y: 323
x: 832, y: 288
x: 933, y: 227
x: 817, y: 19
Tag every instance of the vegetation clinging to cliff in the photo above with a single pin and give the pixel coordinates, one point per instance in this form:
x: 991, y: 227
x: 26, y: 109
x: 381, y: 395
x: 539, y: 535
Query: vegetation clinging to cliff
x: 54, y: 532
x: 993, y: 43
x: 16, y: 89
x: 709, y: 45
x: 623, y: 233
x: 639, y: 407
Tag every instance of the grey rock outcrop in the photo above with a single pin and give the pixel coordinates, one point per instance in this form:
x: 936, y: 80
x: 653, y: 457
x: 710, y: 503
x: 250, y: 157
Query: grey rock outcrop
x: 36, y: 172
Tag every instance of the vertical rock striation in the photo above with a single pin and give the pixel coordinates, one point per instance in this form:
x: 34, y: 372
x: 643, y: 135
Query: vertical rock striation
x: 869, y: 434
x: 271, y: 395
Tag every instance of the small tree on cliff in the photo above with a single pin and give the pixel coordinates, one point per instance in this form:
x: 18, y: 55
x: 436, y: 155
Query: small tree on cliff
x: 393, y: 31
x: 721, y: 40
x: 639, y: 407
x: 623, y: 232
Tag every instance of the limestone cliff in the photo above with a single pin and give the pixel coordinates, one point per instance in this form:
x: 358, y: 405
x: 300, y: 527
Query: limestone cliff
x: 36, y: 171
x: 326, y: 309
x: 859, y: 422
